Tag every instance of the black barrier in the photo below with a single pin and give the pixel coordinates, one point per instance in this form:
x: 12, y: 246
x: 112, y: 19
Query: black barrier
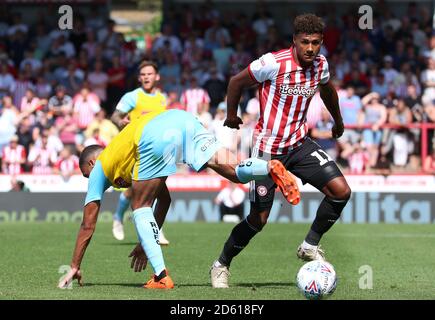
x: 363, y: 207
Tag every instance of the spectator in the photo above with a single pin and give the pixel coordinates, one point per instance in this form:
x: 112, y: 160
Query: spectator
x: 30, y: 102
x: 195, y: 97
x: 8, y: 120
x: 216, y: 88
x: 98, y: 80
x: 67, y: 164
x: 85, y: 108
x: 107, y: 129
x: 41, y: 158
x: 68, y: 128
x: 7, y: 82
x: 389, y: 72
x: 18, y: 185
x: 42, y: 87
x: 428, y: 80
x: 174, y: 102
x: 116, y: 84
x: 351, y: 108
x: 231, y: 203
x: 60, y: 103
x: 14, y: 157
x: 19, y: 88
x: 168, y: 36
x: 375, y: 115
x: 170, y: 71
x: 429, y: 163
x: 358, y: 159
x: 400, y: 138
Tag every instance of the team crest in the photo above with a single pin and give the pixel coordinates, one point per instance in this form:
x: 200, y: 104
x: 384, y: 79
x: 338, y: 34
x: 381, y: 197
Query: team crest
x: 262, y: 190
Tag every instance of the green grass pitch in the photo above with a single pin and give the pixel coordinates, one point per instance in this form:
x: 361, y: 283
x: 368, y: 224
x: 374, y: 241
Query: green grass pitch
x: 400, y: 256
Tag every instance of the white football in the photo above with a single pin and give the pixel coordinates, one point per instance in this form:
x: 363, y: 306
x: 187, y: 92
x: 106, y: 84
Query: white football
x: 316, y: 279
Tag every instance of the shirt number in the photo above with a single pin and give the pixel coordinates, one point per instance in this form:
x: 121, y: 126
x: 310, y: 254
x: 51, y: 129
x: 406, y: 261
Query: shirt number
x: 320, y: 158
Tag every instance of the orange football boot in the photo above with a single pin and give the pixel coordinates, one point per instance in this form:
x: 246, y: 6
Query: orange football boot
x: 164, y: 283
x: 285, y: 181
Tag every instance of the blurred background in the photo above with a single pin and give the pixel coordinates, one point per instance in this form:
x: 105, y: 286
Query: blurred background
x: 58, y: 89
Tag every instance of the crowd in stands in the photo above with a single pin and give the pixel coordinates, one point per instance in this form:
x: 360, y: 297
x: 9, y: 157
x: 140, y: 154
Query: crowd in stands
x: 59, y: 88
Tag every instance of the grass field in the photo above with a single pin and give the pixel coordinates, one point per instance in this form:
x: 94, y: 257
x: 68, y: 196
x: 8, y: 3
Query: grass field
x: 401, y: 257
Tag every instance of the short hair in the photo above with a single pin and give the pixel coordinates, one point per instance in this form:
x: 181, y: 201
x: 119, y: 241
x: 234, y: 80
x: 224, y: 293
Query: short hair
x: 148, y: 63
x: 87, y: 153
x: 308, y: 23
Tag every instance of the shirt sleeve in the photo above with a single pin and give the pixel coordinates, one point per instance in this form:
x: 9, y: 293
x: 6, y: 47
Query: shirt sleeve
x: 127, y: 102
x: 324, y: 76
x: 98, y: 183
x: 264, y: 68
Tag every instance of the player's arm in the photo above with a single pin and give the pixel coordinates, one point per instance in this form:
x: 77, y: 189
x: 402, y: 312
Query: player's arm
x: 330, y: 99
x: 236, y: 85
x: 124, y: 106
x: 98, y: 183
x: 120, y: 119
x: 87, y: 228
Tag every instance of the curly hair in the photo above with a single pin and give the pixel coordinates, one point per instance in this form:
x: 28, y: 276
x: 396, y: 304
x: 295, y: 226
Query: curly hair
x: 308, y: 23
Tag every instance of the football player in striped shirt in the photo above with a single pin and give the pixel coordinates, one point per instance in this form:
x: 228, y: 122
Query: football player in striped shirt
x: 287, y: 81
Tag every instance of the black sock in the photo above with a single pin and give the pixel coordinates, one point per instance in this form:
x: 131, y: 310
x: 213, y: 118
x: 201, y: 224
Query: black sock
x: 328, y: 212
x: 160, y: 276
x: 238, y: 239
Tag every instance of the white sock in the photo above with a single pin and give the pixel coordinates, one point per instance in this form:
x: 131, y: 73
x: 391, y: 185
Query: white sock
x: 306, y: 245
x: 217, y: 264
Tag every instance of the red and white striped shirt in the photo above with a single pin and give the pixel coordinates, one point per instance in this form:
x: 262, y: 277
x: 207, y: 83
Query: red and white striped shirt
x: 14, y: 157
x: 286, y: 90
x: 68, y: 165
x: 191, y: 98
x: 42, y: 160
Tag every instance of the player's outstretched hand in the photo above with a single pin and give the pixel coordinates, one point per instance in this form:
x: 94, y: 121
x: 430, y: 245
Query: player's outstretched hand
x: 233, y: 123
x: 74, y: 273
x: 139, y: 259
x: 337, y: 130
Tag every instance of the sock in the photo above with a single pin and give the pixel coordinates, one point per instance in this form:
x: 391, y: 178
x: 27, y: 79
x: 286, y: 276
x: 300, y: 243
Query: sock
x: 238, y: 239
x: 123, y: 204
x: 252, y: 169
x: 148, y: 233
x: 161, y: 275
x: 328, y: 212
x: 306, y: 245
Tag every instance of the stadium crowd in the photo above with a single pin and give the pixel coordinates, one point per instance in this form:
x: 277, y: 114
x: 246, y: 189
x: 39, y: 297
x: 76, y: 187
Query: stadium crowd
x: 58, y: 88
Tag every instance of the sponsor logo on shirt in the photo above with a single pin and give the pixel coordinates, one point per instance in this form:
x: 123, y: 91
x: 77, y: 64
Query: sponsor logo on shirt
x: 296, y: 91
x: 208, y: 143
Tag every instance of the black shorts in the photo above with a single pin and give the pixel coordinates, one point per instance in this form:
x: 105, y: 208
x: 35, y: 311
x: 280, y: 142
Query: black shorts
x: 309, y: 162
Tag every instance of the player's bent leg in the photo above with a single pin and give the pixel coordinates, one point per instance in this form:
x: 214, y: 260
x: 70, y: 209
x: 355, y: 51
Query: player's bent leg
x: 144, y: 194
x: 161, y: 209
x: 257, y: 169
x: 239, y: 238
x: 337, y: 193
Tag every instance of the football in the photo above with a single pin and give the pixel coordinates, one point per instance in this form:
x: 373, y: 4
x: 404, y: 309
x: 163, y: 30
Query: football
x: 316, y: 279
